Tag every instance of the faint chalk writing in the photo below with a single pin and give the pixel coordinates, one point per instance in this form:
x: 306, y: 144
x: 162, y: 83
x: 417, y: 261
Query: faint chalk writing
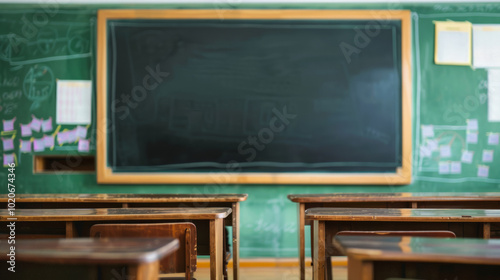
x: 38, y: 85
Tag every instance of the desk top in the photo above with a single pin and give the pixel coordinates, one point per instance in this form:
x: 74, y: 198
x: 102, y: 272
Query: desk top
x: 127, y: 198
x: 393, y: 197
x: 92, y: 250
x: 104, y: 214
x: 428, y: 249
x: 395, y: 214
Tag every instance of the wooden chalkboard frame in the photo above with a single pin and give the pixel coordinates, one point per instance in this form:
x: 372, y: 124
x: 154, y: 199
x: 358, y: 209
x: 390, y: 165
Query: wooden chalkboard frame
x: 106, y: 175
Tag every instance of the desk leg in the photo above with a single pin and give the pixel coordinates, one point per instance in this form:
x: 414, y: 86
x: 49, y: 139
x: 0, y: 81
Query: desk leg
x: 216, y: 248
x: 319, y: 250
x: 70, y: 230
x: 236, y: 240
x: 357, y: 269
x: 486, y: 230
x: 302, y: 249
x: 144, y: 271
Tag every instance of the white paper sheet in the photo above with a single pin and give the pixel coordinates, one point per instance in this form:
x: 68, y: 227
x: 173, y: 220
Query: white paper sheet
x: 74, y: 100
x: 444, y: 167
x: 485, y: 42
x: 453, y: 43
x: 467, y: 156
x: 494, y: 95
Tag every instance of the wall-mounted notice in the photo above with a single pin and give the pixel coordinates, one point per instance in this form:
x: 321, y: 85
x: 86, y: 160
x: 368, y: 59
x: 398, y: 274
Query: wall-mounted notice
x: 8, y: 125
x: 494, y: 95
x: 483, y: 171
x: 444, y: 167
x: 485, y: 41
x: 74, y: 102
x: 453, y: 43
x: 493, y: 138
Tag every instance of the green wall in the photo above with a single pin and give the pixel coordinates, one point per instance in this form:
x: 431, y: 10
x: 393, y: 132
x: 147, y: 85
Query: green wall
x: 444, y: 96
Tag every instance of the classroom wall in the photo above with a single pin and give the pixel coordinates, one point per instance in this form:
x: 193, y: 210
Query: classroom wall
x: 443, y: 96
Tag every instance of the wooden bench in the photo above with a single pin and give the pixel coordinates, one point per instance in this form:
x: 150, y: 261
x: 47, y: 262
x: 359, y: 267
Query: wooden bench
x: 383, y: 257
x: 52, y: 201
x: 86, y: 258
x: 327, y: 222
x: 77, y: 223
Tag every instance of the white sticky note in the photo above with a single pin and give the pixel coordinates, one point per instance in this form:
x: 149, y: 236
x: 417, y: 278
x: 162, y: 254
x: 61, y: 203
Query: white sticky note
x: 25, y: 130
x: 9, y: 158
x: 493, y: 138
x: 48, y: 141
x: 36, y: 124
x: 8, y: 125
x: 81, y: 132
x: 467, y: 156
x: 432, y: 144
x: 74, y: 102
x: 456, y: 167
x: 427, y: 131
x: 38, y: 145
x: 483, y: 171
x: 445, y: 151
x: 444, y: 167
x: 83, y: 145
x: 25, y: 146
x: 472, y: 124
x: 487, y: 155
x: 472, y: 137
x: 47, y: 125
x: 425, y: 151
x: 494, y: 95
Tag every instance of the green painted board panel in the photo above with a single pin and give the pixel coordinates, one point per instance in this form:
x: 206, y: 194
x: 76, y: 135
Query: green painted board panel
x: 443, y: 96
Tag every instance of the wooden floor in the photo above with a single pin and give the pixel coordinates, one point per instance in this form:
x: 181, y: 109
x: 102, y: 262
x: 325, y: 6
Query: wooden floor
x: 272, y: 273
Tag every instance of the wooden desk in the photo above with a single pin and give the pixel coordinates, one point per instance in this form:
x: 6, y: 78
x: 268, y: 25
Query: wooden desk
x: 140, y: 256
x: 388, y: 200
x: 50, y: 201
x: 328, y: 221
x: 379, y: 257
x: 77, y: 222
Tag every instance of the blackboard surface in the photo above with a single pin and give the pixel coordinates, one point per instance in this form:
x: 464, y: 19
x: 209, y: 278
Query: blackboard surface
x: 254, y: 95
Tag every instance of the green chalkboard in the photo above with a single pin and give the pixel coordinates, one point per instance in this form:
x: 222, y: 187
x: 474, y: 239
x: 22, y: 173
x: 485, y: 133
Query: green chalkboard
x: 259, y: 95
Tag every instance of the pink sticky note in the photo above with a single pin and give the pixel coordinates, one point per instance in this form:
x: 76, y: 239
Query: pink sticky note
x: 8, y: 125
x: 38, y: 145
x: 81, y: 132
x: 83, y: 145
x: 62, y: 137
x: 25, y: 130
x: 8, y: 144
x: 36, y: 124
x: 72, y: 135
x: 47, y: 125
x: 48, y: 141
x: 26, y: 146
x: 9, y: 158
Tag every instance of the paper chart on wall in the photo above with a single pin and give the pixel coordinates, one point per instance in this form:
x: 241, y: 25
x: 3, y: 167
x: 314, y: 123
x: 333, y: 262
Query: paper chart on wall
x: 74, y: 102
x: 494, y: 95
x: 485, y: 41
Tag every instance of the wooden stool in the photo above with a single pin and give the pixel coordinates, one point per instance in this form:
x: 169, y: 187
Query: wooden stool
x: 184, y: 260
